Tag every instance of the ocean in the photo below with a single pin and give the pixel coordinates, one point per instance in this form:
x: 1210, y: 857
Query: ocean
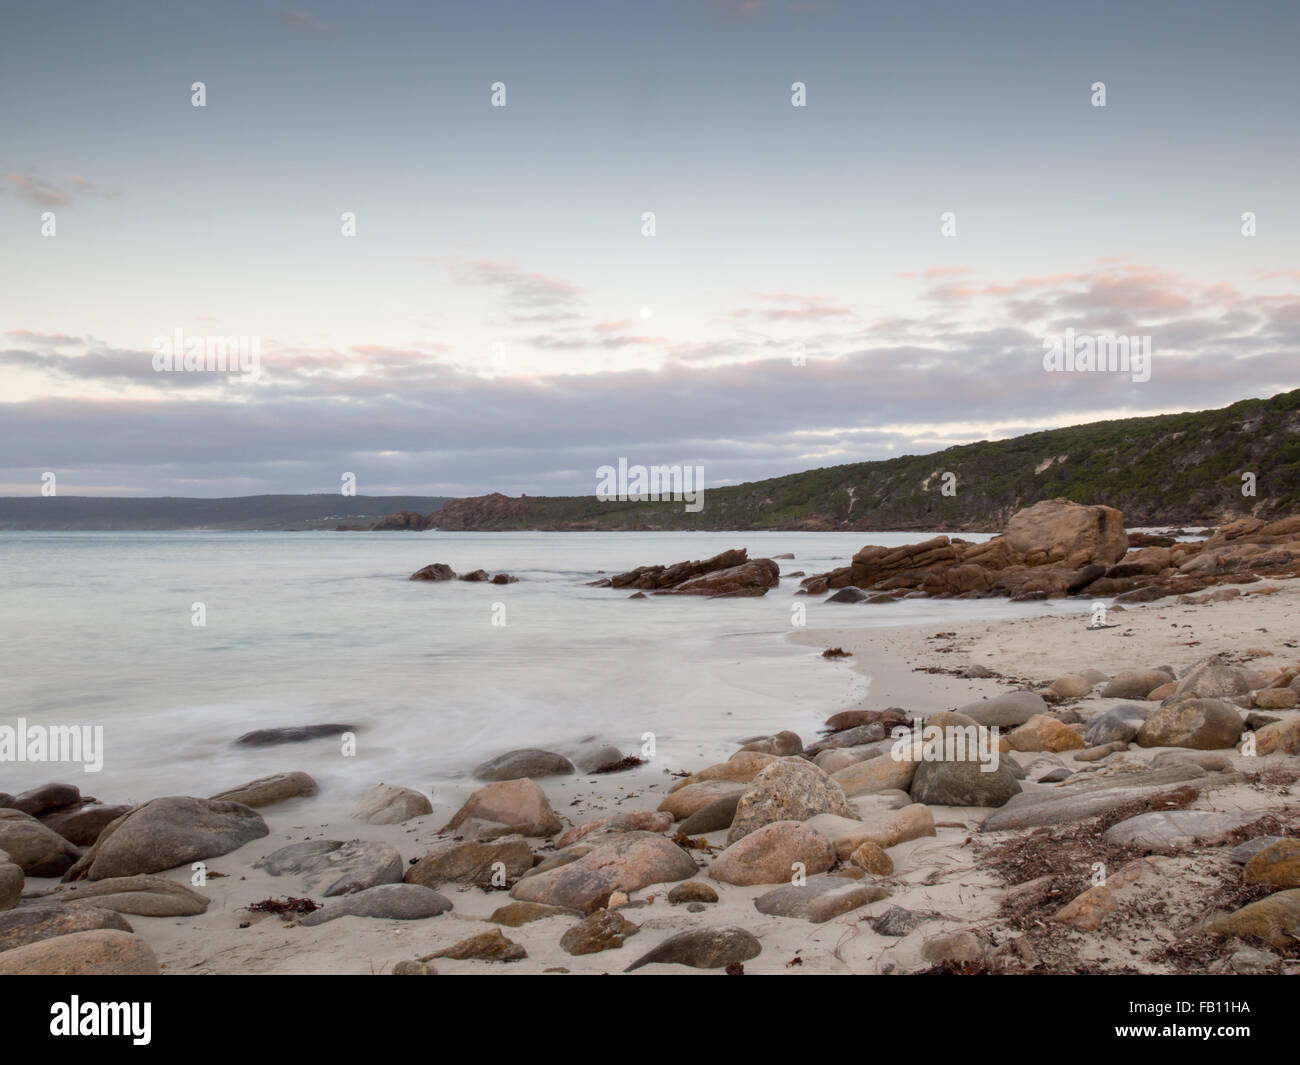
x: 97, y: 629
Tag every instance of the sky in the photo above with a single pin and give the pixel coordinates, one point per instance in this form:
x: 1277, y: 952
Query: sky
x: 505, y: 317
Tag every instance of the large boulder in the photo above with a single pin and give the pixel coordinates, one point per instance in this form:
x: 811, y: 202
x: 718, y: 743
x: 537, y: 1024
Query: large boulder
x: 703, y: 948
x: 101, y: 952
x: 11, y: 883
x: 1169, y: 831
x: 1119, y: 724
x: 46, y: 799
x: 1201, y: 724
x: 396, y: 902
x: 147, y: 896
x: 884, y: 828
x: 34, y: 848
x: 267, y: 790
x: 81, y: 825
x: 1135, y: 683
x: 820, y: 899
x: 389, y: 804
x: 750, y: 578
x: 528, y: 762
x: 167, y: 832
x: 521, y: 804
x: 630, y: 863
x: 1213, y: 678
x: 693, y: 798
x: 787, y: 790
x: 469, y: 862
x: 344, y: 868
x: 964, y: 783
x: 773, y: 854
x: 1006, y: 711
x: 1061, y: 532
x: 34, y: 923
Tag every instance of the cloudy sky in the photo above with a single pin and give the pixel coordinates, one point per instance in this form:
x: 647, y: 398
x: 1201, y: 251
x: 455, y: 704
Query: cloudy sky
x: 501, y: 321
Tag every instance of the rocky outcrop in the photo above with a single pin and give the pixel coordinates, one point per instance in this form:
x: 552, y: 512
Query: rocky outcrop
x: 403, y: 521
x: 732, y: 573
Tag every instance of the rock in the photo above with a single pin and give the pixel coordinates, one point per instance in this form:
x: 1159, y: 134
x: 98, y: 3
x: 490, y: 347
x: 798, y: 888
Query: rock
x: 1096, y: 754
x: 897, y: 921
x: 692, y: 891
x: 695, y: 797
x: 1071, y: 686
x: 515, y: 914
x: 268, y: 790
x: 712, y: 818
x: 1169, y: 831
x: 1276, y: 866
x: 486, y: 946
x: 34, y: 848
x: 958, y: 947
x: 857, y: 736
x: 1119, y: 724
x: 398, y: 902
x: 344, y: 868
x: 1055, y: 776
x: 1211, y: 761
x: 520, y: 804
x: 820, y: 899
x: 435, y: 571
x: 848, y: 595
x: 11, y: 884
x: 1213, y: 678
x: 787, y: 790
x: 1076, y: 801
x: 842, y: 757
x: 1044, y: 733
x: 1134, y: 684
x: 769, y: 854
x: 477, y: 576
x: 167, y: 832
x: 602, y: 930
x: 876, y: 775
x: 632, y: 821
x: 528, y: 762
x: 147, y: 896
x: 750, y: 578
x: 1202, y: 724
x: 1275, y: 920
x: 886, y: 828
x: 871, y: 858
x: 1160, y: 694
x: 1062, y: 532
x: 783, y: 744
x: 82, y: 825
x: 504, y: 578
x: 413, y: 968
x: 31, y: 924
x: 630, y: 863
x: 1244, y: 852
x: 1276, y: 699
x: 46, y: 799
x: 99, y: 952
x: 472, y: 863
x: 847, y: 719
x: 1281, y: 738
x: 703, y: 948
x: 595, y: 757
x: 743, y: 766
x: 1006, y: 711
x: 388, y: 804
x: 267, y: 737
x: 964, y: 783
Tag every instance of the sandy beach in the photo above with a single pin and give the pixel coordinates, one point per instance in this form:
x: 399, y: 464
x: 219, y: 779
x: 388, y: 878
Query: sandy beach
x: 949, y: 878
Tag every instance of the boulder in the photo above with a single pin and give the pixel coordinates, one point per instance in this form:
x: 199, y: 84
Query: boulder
x: 602, y: 930
x: 1062, y: 532
x: 871, y: 858
x: 886, y: 828
x: 787, y: 790
x: 1076, y: 801
x: 964, y: 783
x: 486, y: 946
x: 147, y: 896
x: 435, y: 571
x: 167, y: 832
x: 82, y: 825
x: 1281, y: 737
x: 11, y: 883
x: 714, y: 817
x: 34, y: 848
x: 31, y: 924
x: 99, y: 952
x: 1119, y: 724
x: 472, y: 862
x: 397, y: 902
x: 521, y: 804
x: 1169, y: 831
x: 528, y: 762
x: 388, y: 804
x: 630, y: 863
x: 703, y: 948
x: 344, y: 868
x: 770, y: 853
x: 267, y: 790
x: 1213, y: 678
x: 515, y: 914
x: 875, y: 775
x: 692, y: 891
x: 1071, y: 686
x: 1134, y: 683
x: 820, y: 899
x: 46, y: 799
x: 1274, y: 919
x: 743, y: 766
x: 1201, y: 724
x: 695, y: 797
x: 750, y: 578
x: 1006, y: 711
x: 269, y: 737
x: 632, y: 821
x: 1277, y: 866
x: 1044, y: 733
